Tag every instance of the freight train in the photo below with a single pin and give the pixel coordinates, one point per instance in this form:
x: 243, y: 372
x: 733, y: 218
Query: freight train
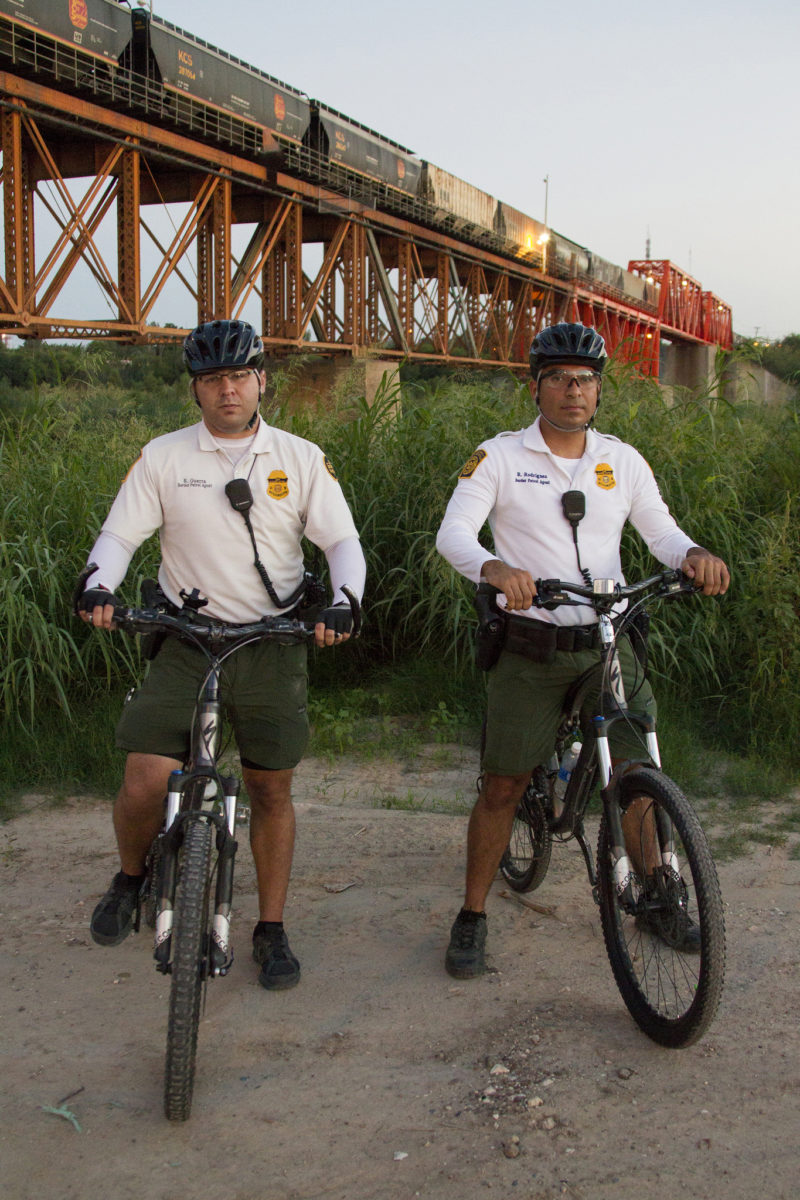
x: 134, y: 60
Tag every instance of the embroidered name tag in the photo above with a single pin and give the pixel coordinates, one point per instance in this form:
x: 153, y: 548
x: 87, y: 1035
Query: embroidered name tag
x: 531, y: 477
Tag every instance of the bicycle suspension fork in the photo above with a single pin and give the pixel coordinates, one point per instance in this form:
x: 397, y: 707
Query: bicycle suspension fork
x: 613, y: 700
x: 178, y: 813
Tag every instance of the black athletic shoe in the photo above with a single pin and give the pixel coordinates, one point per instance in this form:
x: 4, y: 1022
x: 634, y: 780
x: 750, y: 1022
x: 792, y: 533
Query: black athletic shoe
x: 279, y: 967
x: 465, y: 955
x: 114, y: 916
x: 675, y: 930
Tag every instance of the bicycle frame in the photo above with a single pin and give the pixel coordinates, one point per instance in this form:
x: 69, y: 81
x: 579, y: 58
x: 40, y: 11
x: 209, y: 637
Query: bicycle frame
x: 654, y: 881
x: 194, y: 794
x: 595, y: 757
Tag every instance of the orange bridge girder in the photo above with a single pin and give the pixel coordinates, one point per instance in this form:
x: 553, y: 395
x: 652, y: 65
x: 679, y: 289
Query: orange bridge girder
x: 82, y: 186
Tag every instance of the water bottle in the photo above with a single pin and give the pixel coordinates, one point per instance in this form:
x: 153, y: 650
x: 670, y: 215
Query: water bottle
x: 562, y: 778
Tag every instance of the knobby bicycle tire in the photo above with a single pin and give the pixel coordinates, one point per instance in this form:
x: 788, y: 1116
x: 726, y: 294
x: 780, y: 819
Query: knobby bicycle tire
x: 527, y: 857
x: 151, y: 897
x: 670, y: 984
x: 189, y: 954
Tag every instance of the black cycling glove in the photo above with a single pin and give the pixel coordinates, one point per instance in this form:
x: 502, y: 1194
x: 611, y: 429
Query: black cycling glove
x: 339, y: 618
x: 96, y: 597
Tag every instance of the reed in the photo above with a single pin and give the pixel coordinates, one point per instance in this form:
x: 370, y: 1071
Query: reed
x: 729, y: 473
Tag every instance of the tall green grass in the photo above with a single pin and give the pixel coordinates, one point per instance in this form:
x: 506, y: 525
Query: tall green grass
x: 729, y: 473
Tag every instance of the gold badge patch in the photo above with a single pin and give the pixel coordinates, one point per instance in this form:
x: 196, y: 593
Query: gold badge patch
x: 277, y: 485
x: 329, y: 467
x: 605, y: 476
x: 472, y: 464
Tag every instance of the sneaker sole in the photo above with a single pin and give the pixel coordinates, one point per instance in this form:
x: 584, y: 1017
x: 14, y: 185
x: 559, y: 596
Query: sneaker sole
x: 280, y: 984
x: 464, y: 972
x: 105, y: 939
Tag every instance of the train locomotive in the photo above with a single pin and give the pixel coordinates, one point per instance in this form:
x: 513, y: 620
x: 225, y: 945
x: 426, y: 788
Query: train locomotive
x: 134, y: 60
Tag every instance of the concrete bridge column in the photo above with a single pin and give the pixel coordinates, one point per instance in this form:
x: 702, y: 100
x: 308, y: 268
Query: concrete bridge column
x: 684, y: 364
x: 318, y: 380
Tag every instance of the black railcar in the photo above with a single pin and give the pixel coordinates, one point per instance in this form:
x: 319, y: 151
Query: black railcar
x: 98, y: 27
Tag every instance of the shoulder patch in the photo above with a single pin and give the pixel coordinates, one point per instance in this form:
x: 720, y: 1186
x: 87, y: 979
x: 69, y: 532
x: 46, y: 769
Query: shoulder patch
x: 329, y: 467
x: 472, y: 464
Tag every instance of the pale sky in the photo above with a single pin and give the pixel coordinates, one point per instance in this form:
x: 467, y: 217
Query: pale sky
x: 680, y: 118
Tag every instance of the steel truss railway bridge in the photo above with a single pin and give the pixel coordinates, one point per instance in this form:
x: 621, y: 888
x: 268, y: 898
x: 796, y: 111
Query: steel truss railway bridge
x: 86, y: 188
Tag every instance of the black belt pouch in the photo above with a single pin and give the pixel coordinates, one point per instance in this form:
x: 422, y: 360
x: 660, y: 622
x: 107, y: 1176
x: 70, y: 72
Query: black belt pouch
x: 536, y: 642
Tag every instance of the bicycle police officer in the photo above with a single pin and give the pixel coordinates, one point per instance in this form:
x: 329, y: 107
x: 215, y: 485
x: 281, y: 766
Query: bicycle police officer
x: 516, y: 481
x: 177, y: 488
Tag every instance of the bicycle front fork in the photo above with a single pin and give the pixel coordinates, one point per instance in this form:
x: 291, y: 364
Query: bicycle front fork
x: 624, y: 874
x: 220, y: 952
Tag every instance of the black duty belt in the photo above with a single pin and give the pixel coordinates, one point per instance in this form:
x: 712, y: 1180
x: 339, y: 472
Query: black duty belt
x: 540, y: 640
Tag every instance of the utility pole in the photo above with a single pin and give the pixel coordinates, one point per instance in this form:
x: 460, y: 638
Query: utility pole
x: 546, y: 182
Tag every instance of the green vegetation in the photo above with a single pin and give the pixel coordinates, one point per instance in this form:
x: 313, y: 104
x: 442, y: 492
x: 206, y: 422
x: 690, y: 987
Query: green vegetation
x: 72, y: 420
x: 781, y: 358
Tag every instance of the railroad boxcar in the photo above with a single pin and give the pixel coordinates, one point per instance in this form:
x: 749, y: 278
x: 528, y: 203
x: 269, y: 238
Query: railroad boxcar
x: 192, y: 67
x: 519, y: 234
x: 341, y: 146
x: 98, y: 27
x: 565, y: 257
x: 456, y: 205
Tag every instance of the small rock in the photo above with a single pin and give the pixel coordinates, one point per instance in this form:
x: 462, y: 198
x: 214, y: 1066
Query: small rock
x: 548, y: 1123
x: 535, y: 1102
x: 399, y: 1155
x: 499, y: 1069
x: 511, y: 1149
x: 624, y: 1073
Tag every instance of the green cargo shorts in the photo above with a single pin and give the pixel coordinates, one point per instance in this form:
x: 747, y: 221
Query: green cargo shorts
x: 525, y: 702
x: 263, y: 689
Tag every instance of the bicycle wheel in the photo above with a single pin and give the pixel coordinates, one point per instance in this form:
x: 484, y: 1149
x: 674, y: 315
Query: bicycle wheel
x: 524, y: 864
x: 665, y: 932
x: 189, y: 969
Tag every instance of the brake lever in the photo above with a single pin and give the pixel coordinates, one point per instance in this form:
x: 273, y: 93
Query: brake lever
x: 550, y: 595
x: 355, y: 609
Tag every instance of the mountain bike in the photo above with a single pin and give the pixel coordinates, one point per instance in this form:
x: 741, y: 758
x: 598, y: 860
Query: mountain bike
x: 188, y: 893
x: 654, y: 878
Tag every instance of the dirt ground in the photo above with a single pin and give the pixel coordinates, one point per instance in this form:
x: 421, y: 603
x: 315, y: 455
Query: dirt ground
x: 379, y: 1076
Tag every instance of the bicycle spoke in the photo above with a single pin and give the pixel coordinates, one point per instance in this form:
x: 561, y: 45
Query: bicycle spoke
x: 666, y: 938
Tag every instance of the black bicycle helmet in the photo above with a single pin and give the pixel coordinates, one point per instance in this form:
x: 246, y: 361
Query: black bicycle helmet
x: 567, y: 342
x: 220, y: 345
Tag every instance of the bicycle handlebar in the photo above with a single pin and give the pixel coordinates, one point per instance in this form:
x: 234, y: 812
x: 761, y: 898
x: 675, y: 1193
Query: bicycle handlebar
x: 154, y: 620
x: 554, y: 593
x: 605, y: 593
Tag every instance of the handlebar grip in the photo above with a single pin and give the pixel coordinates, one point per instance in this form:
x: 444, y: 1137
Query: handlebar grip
x: 80, y: 585
x: 355, y: 609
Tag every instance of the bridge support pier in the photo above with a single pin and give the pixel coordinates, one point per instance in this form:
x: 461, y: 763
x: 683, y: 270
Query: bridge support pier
x: 686, y: 365
x: 318, y: 380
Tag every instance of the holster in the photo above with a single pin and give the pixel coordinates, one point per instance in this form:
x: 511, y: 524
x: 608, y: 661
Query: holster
x: 153, y: 597
x: 491, y: 627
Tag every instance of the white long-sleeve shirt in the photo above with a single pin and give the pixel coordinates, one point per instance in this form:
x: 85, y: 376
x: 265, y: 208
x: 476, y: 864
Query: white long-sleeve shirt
x: 516, y: 483
x: 177, y: 487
